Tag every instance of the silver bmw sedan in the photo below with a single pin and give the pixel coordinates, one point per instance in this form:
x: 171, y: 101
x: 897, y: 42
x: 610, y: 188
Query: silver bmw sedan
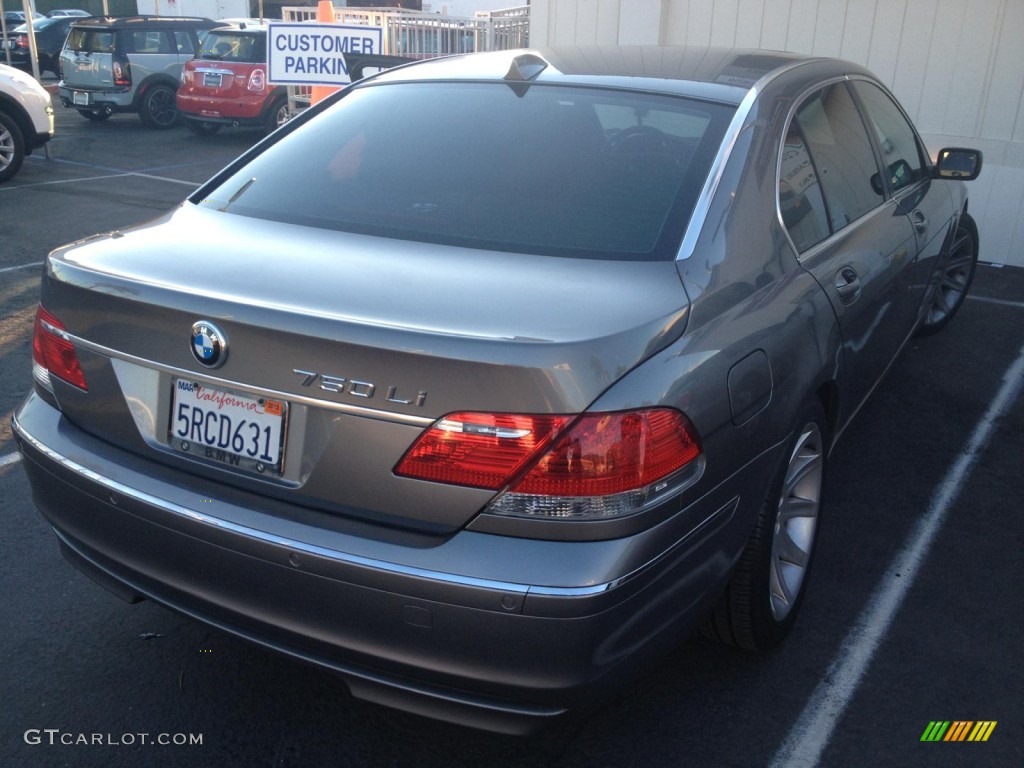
x: 494, y: 376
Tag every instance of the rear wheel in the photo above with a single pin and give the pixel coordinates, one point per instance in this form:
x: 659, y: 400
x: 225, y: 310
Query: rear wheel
x: 158, y: 108
x: 956, y: 278
x: 12, y: 147
x: 277, y: 115
x: 767, y: 587
x: 199, y: 128
x: 96, y: 117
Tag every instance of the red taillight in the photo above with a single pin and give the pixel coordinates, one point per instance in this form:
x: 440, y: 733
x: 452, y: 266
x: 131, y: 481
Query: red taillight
x: 122, y: 73
x: 54, y: 352
x: 478, y: 449
x: 608, y: 453
x: 21, y: 41
x: 601, y: 465
x: 257, y: 80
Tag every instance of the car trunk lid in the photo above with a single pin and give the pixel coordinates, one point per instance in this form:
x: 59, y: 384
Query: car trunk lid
x: 366, y: 340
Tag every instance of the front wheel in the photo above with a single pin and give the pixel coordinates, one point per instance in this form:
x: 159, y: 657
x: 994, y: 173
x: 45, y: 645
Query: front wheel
x: 768, y: 584
x: 158, y: 108
x: 12, y: 147
x: 956, y: 279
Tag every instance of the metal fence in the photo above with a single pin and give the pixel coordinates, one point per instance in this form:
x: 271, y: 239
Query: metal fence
x: 423, y: 35
x: 420, y: 34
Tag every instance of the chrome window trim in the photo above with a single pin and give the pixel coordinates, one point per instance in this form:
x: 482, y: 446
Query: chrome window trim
x: 805, y: 256
x: 732, y: 135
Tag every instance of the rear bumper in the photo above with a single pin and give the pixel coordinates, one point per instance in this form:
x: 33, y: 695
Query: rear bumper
x: 120, y: 100
x: 243, y: 111
x: 427, y: 632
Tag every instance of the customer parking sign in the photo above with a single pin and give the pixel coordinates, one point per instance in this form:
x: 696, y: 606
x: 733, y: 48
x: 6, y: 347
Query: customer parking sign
x: 313, y: 54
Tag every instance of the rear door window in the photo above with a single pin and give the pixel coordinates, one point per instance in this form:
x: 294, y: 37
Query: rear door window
x: 841, y: 150
x: 183, y: 40
x: 148, y: 41
x: 901, y: 152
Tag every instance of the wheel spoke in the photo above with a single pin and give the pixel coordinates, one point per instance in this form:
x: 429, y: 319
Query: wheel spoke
x: 796, y: 507
x: 788, y: 551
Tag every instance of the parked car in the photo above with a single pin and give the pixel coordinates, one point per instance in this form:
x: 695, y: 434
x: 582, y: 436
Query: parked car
x: 491, y: 377
x: 68, y: 12
x: 128, y: 64
x: 26, y: 119
x: 50, y: 36
x: 226, y: 83
x: 14, y: 18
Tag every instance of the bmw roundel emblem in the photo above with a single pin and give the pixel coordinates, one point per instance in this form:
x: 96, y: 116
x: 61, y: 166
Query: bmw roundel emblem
x: 209, y: 344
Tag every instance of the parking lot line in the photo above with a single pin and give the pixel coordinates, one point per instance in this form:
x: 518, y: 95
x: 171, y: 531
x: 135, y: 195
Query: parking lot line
x: 812, y: 731
x: 1000, y: 302
x: 120, y: 175
x: 20, y: 266
x: 10, y: 458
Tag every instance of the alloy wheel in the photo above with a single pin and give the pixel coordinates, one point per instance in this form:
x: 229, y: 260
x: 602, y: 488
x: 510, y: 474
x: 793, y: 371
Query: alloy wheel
x: 796, y: 521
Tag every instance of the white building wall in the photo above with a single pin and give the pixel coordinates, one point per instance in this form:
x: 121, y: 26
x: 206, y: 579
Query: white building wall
x: 957, y: 66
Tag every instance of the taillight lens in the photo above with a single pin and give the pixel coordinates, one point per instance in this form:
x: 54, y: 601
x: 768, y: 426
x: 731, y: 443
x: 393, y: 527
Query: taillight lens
x: 21, y: 41
x: 257, y: 80
x: 53, y: 354
x: 604, y: 465
x: 122, y: 73
x: 482, y: 450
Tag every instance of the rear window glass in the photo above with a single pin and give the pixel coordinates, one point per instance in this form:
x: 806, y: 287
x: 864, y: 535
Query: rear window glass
x: 579, y: 172
x: 221, y: 46
x: 90, y: 40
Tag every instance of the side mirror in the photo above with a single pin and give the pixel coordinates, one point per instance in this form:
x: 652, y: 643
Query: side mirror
x: 958, y: 163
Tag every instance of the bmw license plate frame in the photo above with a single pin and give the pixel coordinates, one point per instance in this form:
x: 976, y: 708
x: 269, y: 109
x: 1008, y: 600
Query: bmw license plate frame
x: 230, y: 428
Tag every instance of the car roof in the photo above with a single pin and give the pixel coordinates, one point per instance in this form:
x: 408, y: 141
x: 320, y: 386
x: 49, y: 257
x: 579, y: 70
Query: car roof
x: 127, y: 22
x: 721, y: 74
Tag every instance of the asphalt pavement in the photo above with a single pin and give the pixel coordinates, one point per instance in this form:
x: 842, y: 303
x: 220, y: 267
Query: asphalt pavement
x: 914, y: 614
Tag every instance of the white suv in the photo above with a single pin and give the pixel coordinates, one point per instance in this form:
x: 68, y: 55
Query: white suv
x: 26, y: 119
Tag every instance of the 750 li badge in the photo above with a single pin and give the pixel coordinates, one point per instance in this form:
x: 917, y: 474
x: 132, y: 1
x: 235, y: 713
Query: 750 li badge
x: 356, y: 388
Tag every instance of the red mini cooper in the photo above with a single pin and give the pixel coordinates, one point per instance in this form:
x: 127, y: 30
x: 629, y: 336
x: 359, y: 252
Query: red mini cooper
x: 226, y: 83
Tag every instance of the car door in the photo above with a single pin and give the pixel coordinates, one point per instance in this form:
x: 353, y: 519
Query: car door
x: 848, y: 233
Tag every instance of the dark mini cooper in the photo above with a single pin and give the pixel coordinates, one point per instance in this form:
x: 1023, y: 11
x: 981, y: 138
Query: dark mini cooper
x: 492, y: 376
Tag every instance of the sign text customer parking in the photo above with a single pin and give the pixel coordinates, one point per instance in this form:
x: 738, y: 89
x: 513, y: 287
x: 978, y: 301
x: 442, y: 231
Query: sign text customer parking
x: 313, y: 54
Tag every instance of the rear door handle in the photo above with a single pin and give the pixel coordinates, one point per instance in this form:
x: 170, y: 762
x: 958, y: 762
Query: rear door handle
x: 847, y: 285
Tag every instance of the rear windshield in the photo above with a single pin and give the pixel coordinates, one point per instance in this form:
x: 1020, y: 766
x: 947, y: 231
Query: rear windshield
x: 90, y: 40
x: 582, y: 172
x: 234, y: 46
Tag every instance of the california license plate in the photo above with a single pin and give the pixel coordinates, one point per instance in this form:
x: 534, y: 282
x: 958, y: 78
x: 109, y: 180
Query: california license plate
x: 212, y: 79
x: 80, y: 98
x: 228, y: 427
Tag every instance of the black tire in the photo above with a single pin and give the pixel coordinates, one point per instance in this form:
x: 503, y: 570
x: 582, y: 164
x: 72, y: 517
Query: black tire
x: 158, y: 108
x: 957, y: 275
x: 767, y: 587
x: 96, y: 117
x: 12, y: 147
x: 277, y: 115
x: 199, y: 128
